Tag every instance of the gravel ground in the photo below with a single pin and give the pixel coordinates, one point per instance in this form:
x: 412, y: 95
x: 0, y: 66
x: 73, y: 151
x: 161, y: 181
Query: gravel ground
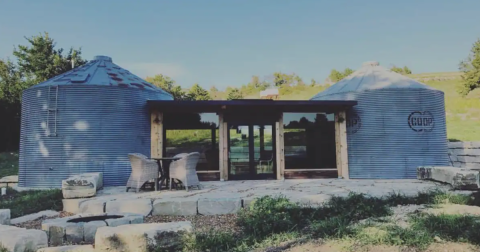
x: 37, y: 224
x: 202, y: 222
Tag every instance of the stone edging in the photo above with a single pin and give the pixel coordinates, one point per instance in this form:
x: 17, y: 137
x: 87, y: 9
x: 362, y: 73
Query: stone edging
x: 60, y: 230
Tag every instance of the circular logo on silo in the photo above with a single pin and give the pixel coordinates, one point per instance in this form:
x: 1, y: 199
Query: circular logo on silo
x: 421, y: 121
x: 353, y: 123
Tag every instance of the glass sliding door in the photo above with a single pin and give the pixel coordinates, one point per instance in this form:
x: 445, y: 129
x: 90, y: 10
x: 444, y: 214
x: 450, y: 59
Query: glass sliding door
x: 251, y: 151
x: 239, y: 151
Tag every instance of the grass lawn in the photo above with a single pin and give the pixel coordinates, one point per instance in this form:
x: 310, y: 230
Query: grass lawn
x: 8, y: 163
x: 28, y: 202
x: 275, y: 222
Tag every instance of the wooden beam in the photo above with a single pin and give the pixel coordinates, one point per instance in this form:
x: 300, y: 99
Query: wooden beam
x: 280, y: 148
x: 156, y: 134
x: 341, y: 144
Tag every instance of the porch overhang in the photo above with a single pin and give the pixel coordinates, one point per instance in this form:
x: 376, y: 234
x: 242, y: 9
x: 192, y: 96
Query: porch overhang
x: 217, y: 106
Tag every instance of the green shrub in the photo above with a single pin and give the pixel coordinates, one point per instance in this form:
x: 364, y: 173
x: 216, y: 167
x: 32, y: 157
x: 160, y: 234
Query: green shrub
x: 211, y: 241
x: 336, y: 227
x: 268, y: 215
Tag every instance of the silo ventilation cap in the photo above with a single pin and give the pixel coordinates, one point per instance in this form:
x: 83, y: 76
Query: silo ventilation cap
x: 101, y: 57
x: 370, y: 63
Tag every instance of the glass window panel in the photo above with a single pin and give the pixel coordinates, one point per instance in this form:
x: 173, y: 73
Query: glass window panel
x: 309, y: 140
x: 186, y: 133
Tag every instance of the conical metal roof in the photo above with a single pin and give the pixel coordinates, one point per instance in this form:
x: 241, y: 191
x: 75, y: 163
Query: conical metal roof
x: 371, y: 76
x: 100, y: 71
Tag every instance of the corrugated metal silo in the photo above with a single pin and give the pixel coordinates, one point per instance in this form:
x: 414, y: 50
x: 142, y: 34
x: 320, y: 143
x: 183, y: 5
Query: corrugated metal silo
x: 85, y: 120
x: 398, y: 124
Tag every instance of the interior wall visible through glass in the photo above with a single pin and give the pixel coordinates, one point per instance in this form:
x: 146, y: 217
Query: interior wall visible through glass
x: 309, y: 140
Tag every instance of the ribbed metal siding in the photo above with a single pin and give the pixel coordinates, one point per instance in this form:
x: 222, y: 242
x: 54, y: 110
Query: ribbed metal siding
x: 385, y: 147
x: 97, y: 126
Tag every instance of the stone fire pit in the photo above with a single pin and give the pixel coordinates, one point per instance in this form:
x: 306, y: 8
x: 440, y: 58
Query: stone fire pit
x: 83, y: 227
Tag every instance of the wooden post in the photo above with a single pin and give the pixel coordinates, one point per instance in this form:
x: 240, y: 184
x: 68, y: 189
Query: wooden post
x: 156, y: 134
x: 220, y: 145
x: 223, y: 147
x: 341, y: 144
x: 225, y: 151
x: 280, y: 148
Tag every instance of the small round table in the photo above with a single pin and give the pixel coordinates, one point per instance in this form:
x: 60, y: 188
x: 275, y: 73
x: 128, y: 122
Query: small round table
x: 164, y: 170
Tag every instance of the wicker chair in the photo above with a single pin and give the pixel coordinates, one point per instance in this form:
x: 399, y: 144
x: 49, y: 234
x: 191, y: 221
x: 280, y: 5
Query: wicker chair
x: 185, y: 170
x: 143, y: 170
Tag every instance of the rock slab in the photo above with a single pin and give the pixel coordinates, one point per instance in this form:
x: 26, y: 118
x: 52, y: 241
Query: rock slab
x: 138, y: 206
x: 459, y: 178
x: 34, y: 216
x: 219, y: 206
x: 137, y: 237
x: 72, y: 248
x: 174, y: 207
x: 20, y: 239
x: 4, y: 216
x: 82, y: 185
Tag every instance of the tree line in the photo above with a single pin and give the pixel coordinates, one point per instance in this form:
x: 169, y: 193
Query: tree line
x: 40, y: 60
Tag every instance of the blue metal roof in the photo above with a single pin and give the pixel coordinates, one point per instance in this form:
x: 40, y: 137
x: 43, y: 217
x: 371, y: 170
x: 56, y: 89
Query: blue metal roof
x: 100, y: 71
x: 371, y: 76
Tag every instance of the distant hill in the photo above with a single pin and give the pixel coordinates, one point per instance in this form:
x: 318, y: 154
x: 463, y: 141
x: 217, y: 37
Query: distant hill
x: 463, y: 114
x: 422, y: 77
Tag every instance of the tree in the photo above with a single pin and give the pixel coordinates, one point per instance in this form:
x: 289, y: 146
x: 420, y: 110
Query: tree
x: 313, y: 83
x: 281, y: 79
x: 166, y: 83
x: 336, y: 76
x: 234, y: 93
x: 35, y: 62
x: 471, y: 70
x: 40, y: 61
x: 405, y: 70
x: 198, y: 93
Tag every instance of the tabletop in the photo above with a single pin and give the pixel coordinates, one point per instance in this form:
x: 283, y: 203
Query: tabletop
x: 166, y: 158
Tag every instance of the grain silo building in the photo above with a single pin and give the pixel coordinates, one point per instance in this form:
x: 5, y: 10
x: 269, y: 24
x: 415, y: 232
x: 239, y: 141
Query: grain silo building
x: 397, y: 125
x: 85, y: 120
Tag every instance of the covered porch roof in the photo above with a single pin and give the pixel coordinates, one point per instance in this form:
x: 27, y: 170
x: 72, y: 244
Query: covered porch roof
x: 216, y: 106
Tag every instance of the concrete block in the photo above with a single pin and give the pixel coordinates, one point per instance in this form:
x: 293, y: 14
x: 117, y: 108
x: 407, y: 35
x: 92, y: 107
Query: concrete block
x: 56, y: 235
x: 79, y: 186
x: 135, y: 218
x: 175, y: 207
x: 117, y: 222
x: 215, y: 206
x: 21, y: 239
x: 468, y: 159
x: 90, y: 229
x: 72, y: 205
x: 135, y: 238
x: 4, y: 216
x: 9, y: 181
x: 34, y: 216
x: 74, y: 232
x: 71, y: 248
x: 138, y: 206
x: 459, y: 178
x: 92, y: 206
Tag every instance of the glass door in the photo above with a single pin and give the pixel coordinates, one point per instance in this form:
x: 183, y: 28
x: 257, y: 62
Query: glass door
x: 251, y: 152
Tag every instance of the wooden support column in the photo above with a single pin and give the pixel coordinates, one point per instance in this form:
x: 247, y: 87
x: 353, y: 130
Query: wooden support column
x: 223, y: 147
x: 156, y: 134
x: 280, y: 148
x: 341, y: 144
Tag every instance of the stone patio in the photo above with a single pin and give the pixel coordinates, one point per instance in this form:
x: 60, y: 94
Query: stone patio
x: 228, y: 197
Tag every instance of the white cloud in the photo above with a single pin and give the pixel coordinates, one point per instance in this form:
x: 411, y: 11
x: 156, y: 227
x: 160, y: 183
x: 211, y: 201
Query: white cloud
x: 150, y: 69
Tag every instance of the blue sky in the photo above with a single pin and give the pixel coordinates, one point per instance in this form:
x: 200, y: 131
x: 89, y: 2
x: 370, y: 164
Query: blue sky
x: 225, y: 42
